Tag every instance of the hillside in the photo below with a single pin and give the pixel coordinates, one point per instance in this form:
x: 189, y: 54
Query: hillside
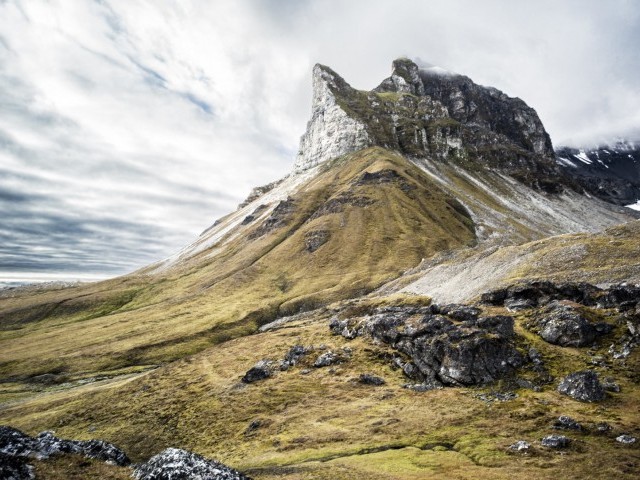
x: 307, y: 334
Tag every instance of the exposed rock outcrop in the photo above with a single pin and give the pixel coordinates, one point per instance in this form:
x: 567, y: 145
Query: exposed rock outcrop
x: 261, y: 370
x: 441, y: 350
x: 446, y: 117
x: 173, y: 464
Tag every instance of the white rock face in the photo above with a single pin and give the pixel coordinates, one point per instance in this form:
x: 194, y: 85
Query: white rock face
x: 330, y: 132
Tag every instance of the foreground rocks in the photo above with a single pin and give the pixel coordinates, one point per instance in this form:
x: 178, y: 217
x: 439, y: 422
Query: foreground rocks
x: 174, y: 464
x: 15, y: 443
x: 564, y: 325
x: 18, y: 450
x: 583, y: 386
x: 449, y: 345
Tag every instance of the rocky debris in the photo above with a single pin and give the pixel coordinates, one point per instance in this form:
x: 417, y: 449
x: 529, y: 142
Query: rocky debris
x: 626, y: 439
x: 369, y: 379
x: 562, y: 324
x: 315, y: 239
x: 15, y: 443
x: 564, y: 422
x: 257, y: 192
x: 173, y: 463
x: 338, y: 203
x: 293, y: 356
x: 441, y: 350
x: 422, y: 387
x: 555, y: 441
x: 603, y: 427
x: 520, y: 446
x: 15, y: 468
x: 384, y: 176
x: 261, y: 370
x: 583, y: 386
x: 326, y: 359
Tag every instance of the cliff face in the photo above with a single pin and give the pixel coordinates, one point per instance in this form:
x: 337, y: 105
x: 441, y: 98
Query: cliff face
x: 429, y: 114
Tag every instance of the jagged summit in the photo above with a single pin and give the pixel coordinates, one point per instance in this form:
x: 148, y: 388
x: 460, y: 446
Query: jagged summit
x: 423, y: 113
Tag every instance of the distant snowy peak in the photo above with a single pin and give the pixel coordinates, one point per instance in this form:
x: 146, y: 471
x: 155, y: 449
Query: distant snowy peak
x: 610, y: 171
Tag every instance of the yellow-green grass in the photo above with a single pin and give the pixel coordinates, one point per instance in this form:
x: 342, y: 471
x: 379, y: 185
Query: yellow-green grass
x: 324, y: 424
x: 154, y: 319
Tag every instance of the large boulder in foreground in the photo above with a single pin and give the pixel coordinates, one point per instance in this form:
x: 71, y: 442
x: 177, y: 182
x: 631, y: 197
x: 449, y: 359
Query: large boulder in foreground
x: 583, y: 386
x: 175, y: 464
x: 564, y: 325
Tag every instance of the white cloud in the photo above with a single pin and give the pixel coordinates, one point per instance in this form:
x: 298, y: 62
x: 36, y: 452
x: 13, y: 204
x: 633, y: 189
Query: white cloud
x: 168, y: 112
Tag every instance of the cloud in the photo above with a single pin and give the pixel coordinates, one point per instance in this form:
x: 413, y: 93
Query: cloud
x: 126, y: 128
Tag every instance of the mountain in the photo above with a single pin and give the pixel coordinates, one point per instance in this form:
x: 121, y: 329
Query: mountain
x: 312, y: 333
x: 610, y: 172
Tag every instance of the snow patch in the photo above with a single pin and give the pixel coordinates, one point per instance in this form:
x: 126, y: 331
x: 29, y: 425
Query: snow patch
x: 634, y: 206
x: 566, y: 162
x: 582, y: 156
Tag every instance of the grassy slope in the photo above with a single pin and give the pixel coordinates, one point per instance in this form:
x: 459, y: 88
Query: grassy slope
x: 325, y: 425
x: 139, y: 320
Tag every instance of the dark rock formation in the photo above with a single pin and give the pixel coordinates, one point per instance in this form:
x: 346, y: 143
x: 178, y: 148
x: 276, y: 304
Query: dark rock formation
x: 555, y: 441
x: 564, y: 325
x: 326, y: 359
x: 369, y: 379
x: 442, y: 350
x: 293, y: 356
x: 174, y: 464
x: 261, y: 370
x: 583, y: 386
x: 566, y: 423
x: 278, y: 218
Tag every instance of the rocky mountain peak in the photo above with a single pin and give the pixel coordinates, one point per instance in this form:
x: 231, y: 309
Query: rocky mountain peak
x: 426, y: 113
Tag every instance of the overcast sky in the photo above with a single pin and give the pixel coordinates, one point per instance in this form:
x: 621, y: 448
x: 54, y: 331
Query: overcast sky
x: 127, y: 127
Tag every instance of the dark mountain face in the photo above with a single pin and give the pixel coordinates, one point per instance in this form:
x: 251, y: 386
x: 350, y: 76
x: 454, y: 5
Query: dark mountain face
x: 610, y: 172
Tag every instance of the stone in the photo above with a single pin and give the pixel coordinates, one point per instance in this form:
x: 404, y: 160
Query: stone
x: 326, y: 359
x: 293, y: 356
x: 369, y: 379
x: 563, y: 325
x: 564, y: 422
x: 174, y: 463
x: 555, y: 441
x: 260, y: 371
x: 626, y: 439
x: 462, y: 313
x: 610, y: 385
x: 521, y: 446
x: 15, y: 443
x: 315, y: 239
x: 583, y: 386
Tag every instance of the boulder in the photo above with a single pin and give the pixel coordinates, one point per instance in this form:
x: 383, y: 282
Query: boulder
x: 174, y: 464
x: 293, y: 356
x: 520, y: 446
x: 260, y: 371
x: 555, y: 441
x: 564, y: 325
x: 626, y: 439
x: 369, y: 379
x: 15, y: 443
x: 566, y: 423
x: 326, y: 359
x: 583, y: 386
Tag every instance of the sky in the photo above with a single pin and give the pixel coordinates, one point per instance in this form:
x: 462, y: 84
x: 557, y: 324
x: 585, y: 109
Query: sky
x: 128, y: 126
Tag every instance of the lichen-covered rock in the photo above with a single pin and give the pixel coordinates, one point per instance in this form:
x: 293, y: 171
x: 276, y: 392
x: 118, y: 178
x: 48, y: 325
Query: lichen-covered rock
x: 326, y: 359
x: 15, y: 443
x: 176, y: 464
x: 583, y: 386
x: 555, y: 441
x: 293, y: 356
x: 261, y: 370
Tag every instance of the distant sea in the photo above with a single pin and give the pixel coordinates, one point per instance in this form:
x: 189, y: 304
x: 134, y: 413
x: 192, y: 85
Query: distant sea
x: 19, y: 279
